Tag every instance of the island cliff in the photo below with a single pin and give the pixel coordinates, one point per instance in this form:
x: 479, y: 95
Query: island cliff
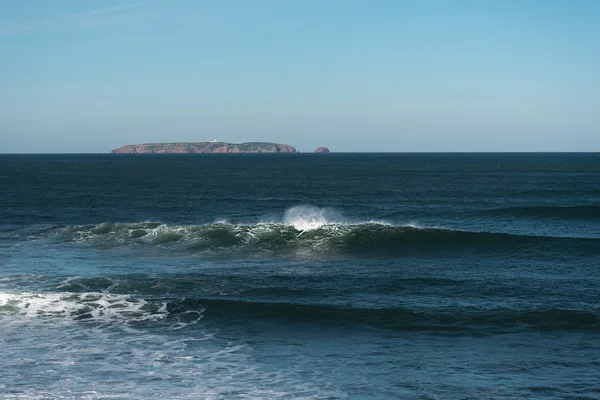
x: 204, y: 147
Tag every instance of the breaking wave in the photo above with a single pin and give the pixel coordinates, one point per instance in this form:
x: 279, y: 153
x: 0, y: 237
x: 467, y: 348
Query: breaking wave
x: 321, y: 239
x: 367, y: 238
x: 309, y: 230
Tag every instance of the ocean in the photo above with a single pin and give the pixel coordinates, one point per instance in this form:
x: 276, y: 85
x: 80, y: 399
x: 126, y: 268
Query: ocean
x: 300, y: 276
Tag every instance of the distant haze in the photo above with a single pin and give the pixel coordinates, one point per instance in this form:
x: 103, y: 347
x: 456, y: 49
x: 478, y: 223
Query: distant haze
x: 352, y: 75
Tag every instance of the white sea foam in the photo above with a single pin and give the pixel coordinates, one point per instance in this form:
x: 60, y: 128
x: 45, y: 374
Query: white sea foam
x: 79, y: 306
x: 45, y: 359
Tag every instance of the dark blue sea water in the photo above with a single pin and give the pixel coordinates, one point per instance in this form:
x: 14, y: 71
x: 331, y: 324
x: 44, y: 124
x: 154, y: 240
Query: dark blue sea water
x: 300, y: 276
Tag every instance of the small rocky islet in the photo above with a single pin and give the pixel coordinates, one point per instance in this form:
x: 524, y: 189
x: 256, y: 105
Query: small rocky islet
x: 209, y: 147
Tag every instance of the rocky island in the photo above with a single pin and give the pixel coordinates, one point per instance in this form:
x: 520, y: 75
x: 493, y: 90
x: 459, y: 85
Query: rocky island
x: 321, y: 150
x: 204, y: 147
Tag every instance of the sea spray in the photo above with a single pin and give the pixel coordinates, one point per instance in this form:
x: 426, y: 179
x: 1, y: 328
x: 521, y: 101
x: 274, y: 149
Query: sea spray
x: 308, y: 217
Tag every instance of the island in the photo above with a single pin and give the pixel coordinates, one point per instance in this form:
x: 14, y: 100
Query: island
x: 321, y: 150
x: 204, y: 147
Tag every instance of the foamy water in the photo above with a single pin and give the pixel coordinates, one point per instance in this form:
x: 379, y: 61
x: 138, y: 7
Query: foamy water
x: 69, y: 336
x: 84, y: 306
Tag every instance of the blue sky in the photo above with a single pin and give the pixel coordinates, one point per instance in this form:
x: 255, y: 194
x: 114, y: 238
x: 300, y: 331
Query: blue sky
x: 353, y: 75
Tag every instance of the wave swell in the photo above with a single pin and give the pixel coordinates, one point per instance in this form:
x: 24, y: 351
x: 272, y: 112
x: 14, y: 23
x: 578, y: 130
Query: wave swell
x: 567, y: 212
x: 399, y: 318
x: 177, y: 313
x: 327, y: 239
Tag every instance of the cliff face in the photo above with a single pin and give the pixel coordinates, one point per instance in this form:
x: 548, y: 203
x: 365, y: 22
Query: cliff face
x: 204, y: 147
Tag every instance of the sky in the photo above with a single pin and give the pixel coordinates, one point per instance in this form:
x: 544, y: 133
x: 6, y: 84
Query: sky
x: 353, y: 75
